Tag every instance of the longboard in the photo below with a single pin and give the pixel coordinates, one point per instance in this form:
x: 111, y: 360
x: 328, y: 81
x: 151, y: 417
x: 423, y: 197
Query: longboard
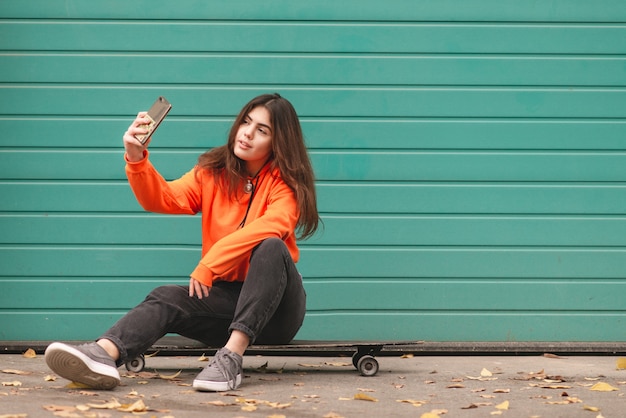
x: 363, y: 352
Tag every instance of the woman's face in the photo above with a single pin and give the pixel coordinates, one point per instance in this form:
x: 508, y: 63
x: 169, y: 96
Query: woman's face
x: 253, y: 142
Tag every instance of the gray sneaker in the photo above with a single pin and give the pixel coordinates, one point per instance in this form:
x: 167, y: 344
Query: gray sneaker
x: 223, y: 372
x: 88, y: 364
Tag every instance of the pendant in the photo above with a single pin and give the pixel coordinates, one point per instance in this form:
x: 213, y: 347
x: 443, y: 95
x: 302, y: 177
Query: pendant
x: 248, y: 187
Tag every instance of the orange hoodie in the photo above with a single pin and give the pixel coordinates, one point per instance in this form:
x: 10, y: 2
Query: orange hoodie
x: 226, y: 248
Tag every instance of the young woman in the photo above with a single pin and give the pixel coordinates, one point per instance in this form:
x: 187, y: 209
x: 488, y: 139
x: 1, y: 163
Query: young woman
x: 255, y: 194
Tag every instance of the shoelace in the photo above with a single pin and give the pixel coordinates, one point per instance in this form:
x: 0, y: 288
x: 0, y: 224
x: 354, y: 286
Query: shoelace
x: 223, y: 362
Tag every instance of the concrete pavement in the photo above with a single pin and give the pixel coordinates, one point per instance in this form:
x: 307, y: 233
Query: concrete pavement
x: 330, y: 387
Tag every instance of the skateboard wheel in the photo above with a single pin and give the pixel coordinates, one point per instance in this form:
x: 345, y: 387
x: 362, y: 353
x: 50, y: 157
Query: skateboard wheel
x: 367, y: 366
x: 136, y: 364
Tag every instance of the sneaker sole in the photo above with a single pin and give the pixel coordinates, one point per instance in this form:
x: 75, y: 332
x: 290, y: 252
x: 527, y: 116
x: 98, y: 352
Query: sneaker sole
x: 209, y: 386
x: 73, y: 365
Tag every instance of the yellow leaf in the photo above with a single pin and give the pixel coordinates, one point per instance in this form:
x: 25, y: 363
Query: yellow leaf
x: 603, y: 387
x: 203, y: 358
x: 14, y: 416
x: 13, y: 383
x: 363, y: 397
x: 591, y: 408
x: 485, y: 373
x: 496, y: 413
x: 76, y: 385
x: 310, y: 365
x: 50, y: 378
x: 138, y: 406
x: 18, y: 372
x: 248, y: 408
x: 59, y: 408
x: 338, y: 364
x: 218, y: 403
x: 621, y: 363
x: 170, y: 377
x: 429, y: 415
x: 503, y: 406
x: 278, y: 405
x: 332, y: 415
x: 555, y: 387
x: 412, y: 402
x: 30, y: 353
x: 112, y: 404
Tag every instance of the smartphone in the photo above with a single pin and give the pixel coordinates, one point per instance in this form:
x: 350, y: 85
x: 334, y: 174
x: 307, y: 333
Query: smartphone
x: 157, y: 113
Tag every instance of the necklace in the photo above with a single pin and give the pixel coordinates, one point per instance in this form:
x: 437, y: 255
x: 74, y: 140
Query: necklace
x: 249, y: 187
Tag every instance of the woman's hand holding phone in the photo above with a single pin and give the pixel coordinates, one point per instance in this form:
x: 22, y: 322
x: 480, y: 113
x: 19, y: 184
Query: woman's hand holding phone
x: 133, y: 146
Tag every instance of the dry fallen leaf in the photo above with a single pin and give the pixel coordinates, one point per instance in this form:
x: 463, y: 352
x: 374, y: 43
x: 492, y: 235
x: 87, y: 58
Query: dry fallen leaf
x: 363, y: 397
x: 76, y: 385
x: 138, y: 406
x: 14, y: 416
x: 551, y: 386
x: 59, y: 408
x: 13, y: 383
x: 603, y: 387
x: 219, y: 403
x: 429, y: 415
x: 485, y: 373
x: 338, y: 364
x: 413, y: 402
x: 532, y: 375
x: 591, y: 408
x: 50, y: 378
x: 170, y: 377
x: 621, y: 363
x: 503, y: 406
x: 18, y: 372
x: 203, y: 358
x: 567, y: 401
x: 112, y: 404
x: 30, y: 353
x: 550, y: 355
x: 278, y: 405
x: 333, y: 415
x: 309, y: 365
x: 455, y: 386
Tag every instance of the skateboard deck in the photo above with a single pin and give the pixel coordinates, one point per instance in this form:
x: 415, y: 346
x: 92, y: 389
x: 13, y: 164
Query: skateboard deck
x: 363, y: 352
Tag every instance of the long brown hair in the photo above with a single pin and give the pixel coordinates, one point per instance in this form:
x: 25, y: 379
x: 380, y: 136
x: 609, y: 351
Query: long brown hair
x: 289, y: 155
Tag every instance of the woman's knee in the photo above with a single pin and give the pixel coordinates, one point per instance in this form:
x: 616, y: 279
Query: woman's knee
x: 167, y: 293
x: 273, y: 245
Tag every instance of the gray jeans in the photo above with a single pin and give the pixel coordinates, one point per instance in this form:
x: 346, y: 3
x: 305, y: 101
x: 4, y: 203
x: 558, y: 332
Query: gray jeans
x: 269, y: 306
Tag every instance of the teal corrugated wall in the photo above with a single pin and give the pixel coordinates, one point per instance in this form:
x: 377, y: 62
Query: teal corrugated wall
x: 470, y: 156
